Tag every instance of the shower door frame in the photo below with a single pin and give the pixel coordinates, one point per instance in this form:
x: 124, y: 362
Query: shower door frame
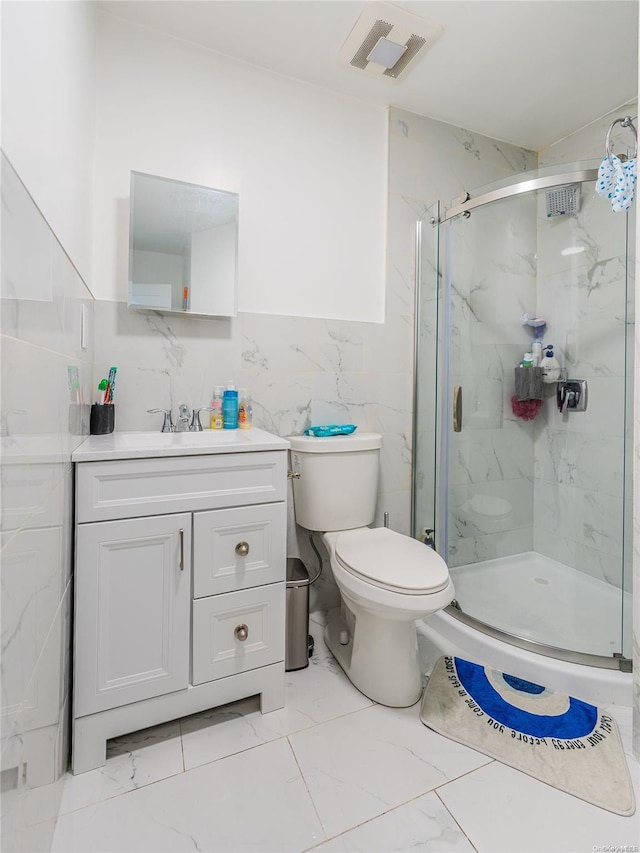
x: 617, y: 661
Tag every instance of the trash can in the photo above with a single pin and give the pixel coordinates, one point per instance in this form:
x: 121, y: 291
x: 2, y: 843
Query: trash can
x: 298, y: 643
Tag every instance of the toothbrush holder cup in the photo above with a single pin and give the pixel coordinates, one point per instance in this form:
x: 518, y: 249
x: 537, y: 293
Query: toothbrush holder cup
x: 103, y: 418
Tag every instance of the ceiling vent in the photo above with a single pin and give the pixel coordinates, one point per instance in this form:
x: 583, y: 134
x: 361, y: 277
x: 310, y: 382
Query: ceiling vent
x: 387, y: 41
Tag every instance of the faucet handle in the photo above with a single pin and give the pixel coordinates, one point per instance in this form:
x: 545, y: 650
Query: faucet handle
x: 167, y: 424
x: 195, y: 425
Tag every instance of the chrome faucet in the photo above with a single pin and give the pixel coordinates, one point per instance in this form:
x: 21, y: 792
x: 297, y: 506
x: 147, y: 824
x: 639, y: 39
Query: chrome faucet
x: 187, y: 421
x: 183, y: 418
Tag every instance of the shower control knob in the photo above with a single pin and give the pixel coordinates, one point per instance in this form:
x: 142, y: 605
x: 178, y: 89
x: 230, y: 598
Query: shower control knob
x: 242, y: 549
x: 241, y: 633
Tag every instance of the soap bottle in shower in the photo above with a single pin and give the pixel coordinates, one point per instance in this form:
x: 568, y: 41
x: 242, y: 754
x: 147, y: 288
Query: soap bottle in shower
x: 550, y: 365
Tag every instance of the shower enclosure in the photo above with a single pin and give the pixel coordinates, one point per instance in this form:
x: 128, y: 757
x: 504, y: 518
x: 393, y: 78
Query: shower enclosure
x: 532, y: 516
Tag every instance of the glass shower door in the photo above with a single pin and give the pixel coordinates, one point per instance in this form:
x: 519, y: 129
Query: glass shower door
x: 425, y: 411
x: 530, y: 513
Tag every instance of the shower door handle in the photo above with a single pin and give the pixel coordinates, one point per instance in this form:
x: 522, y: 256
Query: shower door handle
x: 457, y: 408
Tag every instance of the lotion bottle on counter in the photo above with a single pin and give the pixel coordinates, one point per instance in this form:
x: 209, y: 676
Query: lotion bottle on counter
x: 216, y: 405
x: 245, y: 411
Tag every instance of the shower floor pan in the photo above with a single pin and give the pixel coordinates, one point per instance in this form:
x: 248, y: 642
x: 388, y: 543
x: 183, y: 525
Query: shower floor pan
x: 539, y: 599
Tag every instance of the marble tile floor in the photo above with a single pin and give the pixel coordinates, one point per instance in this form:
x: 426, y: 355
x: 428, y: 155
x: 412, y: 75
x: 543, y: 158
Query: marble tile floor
x: 332, y: 771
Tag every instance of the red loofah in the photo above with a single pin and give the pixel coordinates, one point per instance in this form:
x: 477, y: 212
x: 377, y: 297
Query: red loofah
x: 525, y: 409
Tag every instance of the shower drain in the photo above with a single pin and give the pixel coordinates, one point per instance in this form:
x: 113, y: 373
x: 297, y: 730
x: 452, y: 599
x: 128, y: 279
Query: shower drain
x: 541, y: 580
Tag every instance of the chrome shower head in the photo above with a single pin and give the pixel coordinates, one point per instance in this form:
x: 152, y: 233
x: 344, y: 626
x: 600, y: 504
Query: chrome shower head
x: 563, y: 200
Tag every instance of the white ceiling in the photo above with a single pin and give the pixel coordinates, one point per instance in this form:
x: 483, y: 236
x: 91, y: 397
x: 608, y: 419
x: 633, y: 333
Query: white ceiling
x: 523, y: 71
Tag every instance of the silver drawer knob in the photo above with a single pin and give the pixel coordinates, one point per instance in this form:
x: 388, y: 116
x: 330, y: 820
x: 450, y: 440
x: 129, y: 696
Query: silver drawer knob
x: 241, y: 633
x: 242, y: 549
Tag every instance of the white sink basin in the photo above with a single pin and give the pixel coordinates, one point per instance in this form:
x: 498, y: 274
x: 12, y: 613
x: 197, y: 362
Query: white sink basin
x: 131, y: 445
x: 162, y: 440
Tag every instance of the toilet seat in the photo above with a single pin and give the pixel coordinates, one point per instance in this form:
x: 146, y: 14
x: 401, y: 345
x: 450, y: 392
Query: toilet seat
x: 391, y: 561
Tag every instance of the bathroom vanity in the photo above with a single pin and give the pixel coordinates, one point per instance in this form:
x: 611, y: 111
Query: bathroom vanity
x: 179, y: 579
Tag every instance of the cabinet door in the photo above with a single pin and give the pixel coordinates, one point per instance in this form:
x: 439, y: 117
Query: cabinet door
x: 238, y: 548
x: 132, y: 604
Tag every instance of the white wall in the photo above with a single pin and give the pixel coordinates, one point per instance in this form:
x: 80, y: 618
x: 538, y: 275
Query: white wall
x: 310, y: 168
x: 48, y: 113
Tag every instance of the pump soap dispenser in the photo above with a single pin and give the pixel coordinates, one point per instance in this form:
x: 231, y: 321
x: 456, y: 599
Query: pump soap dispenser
x: 550, y: 366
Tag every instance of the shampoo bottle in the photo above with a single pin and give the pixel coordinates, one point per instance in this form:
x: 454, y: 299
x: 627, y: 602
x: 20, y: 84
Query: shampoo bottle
x: 536, y: 352
x: 216, y: 405
x: 550, y: 365
x: 230, y: 407
x: 245, y: 411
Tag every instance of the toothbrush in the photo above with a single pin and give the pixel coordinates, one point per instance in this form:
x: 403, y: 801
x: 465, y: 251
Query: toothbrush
x: 73, y: 383
x: 111, y: 384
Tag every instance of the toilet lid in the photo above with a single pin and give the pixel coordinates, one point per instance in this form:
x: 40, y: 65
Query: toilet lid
x: 391, y: 560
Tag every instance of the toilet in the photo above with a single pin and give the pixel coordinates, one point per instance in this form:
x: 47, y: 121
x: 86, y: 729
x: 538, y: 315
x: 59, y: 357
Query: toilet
x: 386, y: 580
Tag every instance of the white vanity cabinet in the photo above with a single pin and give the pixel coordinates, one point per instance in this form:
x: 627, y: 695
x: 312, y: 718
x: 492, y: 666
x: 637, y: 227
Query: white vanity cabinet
x: 179, y: 581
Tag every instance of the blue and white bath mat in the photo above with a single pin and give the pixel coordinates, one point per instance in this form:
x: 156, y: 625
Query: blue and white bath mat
x: 560, y: 740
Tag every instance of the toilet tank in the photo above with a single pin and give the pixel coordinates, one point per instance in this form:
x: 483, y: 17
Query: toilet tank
x: 338, y: 483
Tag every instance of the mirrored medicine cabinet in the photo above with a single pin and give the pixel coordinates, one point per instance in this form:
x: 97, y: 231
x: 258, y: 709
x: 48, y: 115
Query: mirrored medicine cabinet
x: 183, y: 247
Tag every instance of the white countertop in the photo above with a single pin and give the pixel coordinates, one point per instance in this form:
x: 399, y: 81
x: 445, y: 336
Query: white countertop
x: 138, y: 445
x: 39, y: 449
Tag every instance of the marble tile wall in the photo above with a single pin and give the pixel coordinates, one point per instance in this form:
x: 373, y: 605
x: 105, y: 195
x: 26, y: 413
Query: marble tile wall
x: 41, y: 422
x: 580, y: 457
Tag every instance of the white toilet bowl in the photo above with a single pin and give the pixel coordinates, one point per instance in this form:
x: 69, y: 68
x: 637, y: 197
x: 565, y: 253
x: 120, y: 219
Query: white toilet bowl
x: 386, y: 581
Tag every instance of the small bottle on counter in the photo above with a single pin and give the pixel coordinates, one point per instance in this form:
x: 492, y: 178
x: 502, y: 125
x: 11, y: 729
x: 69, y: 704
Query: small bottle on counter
x: 230, y: 407
x: 245, y: 410
x: 216, y: 405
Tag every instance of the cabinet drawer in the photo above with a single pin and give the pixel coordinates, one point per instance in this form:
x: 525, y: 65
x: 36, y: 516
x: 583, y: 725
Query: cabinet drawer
x: 135, y: 487
x: 238, y: 548
x: 219, y: 623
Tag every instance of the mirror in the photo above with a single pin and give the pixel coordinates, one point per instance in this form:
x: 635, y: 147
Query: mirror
x: 183, y: 247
